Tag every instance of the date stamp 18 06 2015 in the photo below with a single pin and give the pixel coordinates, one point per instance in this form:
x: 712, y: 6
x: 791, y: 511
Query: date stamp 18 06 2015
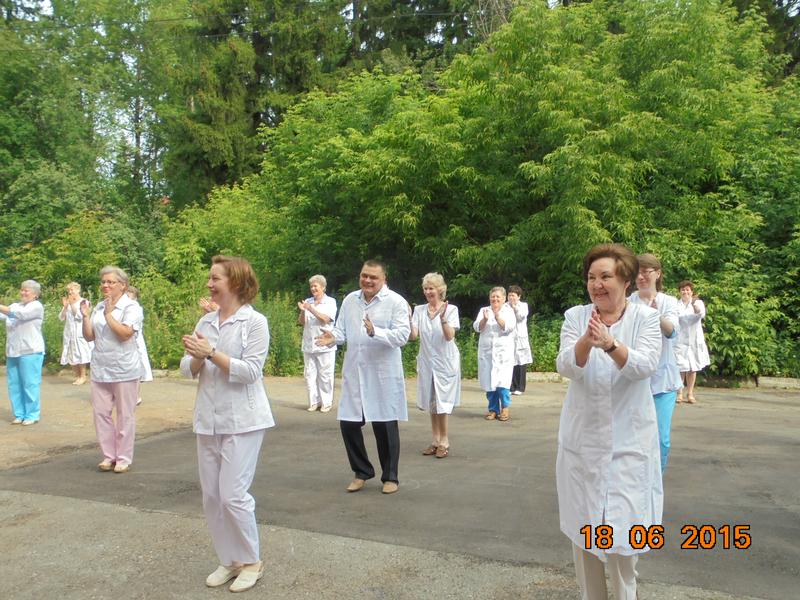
x: 696, y: 537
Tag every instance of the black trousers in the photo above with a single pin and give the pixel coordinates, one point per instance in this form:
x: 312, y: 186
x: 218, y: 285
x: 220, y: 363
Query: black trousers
x: 518, y: 378
x: 387, y: 437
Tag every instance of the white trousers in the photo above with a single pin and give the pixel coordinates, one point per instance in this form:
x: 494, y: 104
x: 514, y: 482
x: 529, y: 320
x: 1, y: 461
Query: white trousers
x: 592, y: 578
x: 227, y: 465
x: 318, y: 372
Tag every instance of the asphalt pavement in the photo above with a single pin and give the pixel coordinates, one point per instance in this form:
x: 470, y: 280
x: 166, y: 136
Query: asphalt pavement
x: 481, y: 523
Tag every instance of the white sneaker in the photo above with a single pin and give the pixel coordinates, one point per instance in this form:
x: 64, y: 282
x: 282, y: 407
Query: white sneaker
x: 248, y: 576
x: 222, y: 576
x: 16, y: 422
x: 325, y: 409
x: 138, y: 401
x: 516, y: 393
x: 313, y: 408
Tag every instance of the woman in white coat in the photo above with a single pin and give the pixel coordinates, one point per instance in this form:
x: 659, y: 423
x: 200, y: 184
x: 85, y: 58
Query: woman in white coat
x: 522, y: 344
x: 141, y: 345
x: 496, y: 324
x: 691, y: 351
x: 317, y: 314
x: 666, y: 381
x: 608, y: 469
x: 76, y: 351
x: 438, y: 361
x: 227, y: 351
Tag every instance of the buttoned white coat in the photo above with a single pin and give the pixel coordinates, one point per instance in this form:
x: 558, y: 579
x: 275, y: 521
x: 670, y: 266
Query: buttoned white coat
x: 691, y: 351
x: 233, y: 402
x: 667, y: 378
x: 522, y: 343
x: 372, y: 373
x: 495, y: 349
x: 438, y: 361
x: 608, y: 469
x: 76, y: 350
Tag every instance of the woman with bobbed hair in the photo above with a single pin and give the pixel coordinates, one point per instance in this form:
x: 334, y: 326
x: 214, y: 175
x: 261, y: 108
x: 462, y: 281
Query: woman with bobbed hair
x: 496, y: 324
x: 608, y: 470
x: 691, y: 351
x: 24, y: 353
x: 227, y: 351
x: 522, y: 344
x: 438, y: 360
x: 317, y: 314
x: 113, y: 326
x: 76, y: 351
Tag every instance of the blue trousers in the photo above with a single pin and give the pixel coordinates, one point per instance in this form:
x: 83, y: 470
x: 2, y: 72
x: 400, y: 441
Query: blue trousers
x: 498, y: 398
x: 24, y: 374
x: 665, y: 405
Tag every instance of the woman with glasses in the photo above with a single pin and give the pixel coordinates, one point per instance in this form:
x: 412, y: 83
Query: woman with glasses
x: 666, y: 381
x: 113, y: 326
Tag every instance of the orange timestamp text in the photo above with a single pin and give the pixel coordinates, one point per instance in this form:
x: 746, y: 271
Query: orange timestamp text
x: 696, y: 537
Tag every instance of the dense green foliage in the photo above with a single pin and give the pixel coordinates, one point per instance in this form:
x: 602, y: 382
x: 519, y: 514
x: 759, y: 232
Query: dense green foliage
x: 251, y: 128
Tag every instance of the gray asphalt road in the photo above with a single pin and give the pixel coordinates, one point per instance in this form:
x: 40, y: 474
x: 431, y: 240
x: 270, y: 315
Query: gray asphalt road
x: 492, y: 501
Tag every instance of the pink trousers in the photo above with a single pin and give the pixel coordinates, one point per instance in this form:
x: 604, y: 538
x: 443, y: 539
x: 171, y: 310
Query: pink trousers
x: 115, y: 439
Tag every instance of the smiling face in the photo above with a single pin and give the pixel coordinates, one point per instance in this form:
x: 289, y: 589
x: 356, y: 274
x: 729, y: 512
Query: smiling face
x: 686, y: 294
x: 111, y: 287
x: 317, y: 291
x: 26, y: 295
x: 647, y: 279
x: 606, y: 289
x: 431, y: 294
x: 513, y: 298
x: 496, y: 299
x: 219, y: 286
x: 371, y: 281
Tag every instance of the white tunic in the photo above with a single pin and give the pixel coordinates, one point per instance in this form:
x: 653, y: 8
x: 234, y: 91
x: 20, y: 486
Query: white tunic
x: 608, y: 469
x: 495, y: 349
x: 24, y: 328
x: 373, y: 386
x: 691, y: 351
x: 141, y: 345
x: 313, y: 327
x: 438, y: 361
x: 76, y: 350
x: 522, y: 344
x: 233, y: 402
x: 667, y: 378
x: 112, y: 359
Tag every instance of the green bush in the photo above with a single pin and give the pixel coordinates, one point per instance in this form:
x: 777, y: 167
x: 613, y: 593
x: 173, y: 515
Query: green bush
x: 545, y: 335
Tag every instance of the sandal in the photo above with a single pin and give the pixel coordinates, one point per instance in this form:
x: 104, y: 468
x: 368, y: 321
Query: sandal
x: 430, y: 450
x: 442, y: 452
x: 691, y: 400
x: 491, y: 416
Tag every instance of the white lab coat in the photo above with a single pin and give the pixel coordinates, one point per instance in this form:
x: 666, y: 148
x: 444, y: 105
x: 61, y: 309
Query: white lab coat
x: 691, y: 351
x: 76, y: 350
x: 495, y: 349
x: 522, y: 344
x: 438, y: 361
x: 667, y: 378
x: 608, y: 469
x: 313, y: 327
x: 373, y: 386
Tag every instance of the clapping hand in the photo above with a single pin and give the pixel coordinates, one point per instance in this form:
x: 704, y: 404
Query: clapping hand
x: 369, y: 326
x: 86, y: 307
x: 442, y: 310
x: 303, y: 305
x: 196, y: 345
x: 325, y: 339
x: 597, y: 332
x: 207, y: 305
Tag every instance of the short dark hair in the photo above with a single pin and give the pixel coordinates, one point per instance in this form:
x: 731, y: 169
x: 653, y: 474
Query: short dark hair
x: 241, y: 276
x: 375, y: 263
x: 626, y: 264
x: 686, y: 283
x: 515, y: 289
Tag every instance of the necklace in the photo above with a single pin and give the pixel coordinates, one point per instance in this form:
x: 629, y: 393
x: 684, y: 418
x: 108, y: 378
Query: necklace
x: 617, y: 320
x: 432, y: 311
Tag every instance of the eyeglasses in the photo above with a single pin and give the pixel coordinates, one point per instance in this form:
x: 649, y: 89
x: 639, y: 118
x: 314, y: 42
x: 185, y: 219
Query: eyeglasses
x: 647, y: 272
x: 107, y: 282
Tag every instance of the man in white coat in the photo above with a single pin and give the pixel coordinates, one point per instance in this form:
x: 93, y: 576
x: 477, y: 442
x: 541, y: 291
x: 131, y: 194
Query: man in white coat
x: 374, y: 323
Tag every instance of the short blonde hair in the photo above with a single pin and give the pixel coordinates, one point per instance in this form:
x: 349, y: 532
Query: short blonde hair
x: 498, y: 288
x: 74, y: 285
x: 437, y: 281
x: 320, y: 279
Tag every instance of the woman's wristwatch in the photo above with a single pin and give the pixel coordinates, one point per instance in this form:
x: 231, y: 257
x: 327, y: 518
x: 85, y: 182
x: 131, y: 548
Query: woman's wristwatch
x: 214, y: 351
x: 614, y: 345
